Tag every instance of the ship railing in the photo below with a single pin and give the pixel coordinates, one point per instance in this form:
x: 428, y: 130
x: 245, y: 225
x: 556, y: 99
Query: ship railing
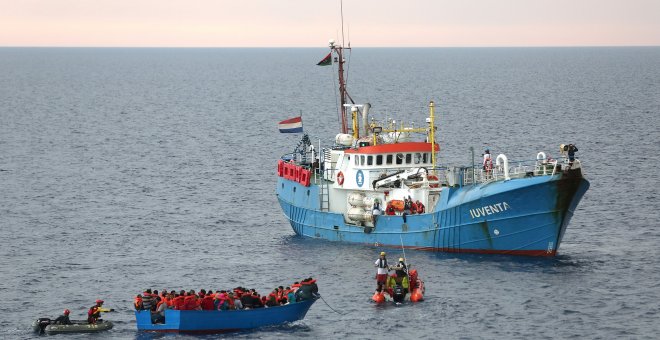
x: 518, y: 169
x: 325, y: 175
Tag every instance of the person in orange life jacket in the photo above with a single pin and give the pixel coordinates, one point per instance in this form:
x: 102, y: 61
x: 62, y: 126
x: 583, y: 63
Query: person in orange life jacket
x: 220, y: 301
x: 256, y: 300
x: 308, y: 290
x: 94, y: 313
x: 381, y: 274
x: 137, y: 302
x: 271, y: 301
x: 207, y: 302
x: 179, y: 300
x: 170, y: 299
x: 192, y: 302
x: 295, y: 286
x: 420, y: 207
x: 63, y: 319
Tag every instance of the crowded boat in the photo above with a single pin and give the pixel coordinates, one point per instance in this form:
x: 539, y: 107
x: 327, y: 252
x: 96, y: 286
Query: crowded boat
x: 239, y: 298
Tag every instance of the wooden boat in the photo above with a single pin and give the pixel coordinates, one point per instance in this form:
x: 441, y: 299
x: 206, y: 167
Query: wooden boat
x: 203, y: 321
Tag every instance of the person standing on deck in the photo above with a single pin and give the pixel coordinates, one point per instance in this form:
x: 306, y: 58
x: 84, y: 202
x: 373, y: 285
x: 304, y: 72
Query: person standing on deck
x: 381, y: 274
x: 488, y: 163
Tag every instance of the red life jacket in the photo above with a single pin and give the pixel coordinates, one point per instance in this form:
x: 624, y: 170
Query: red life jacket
x: 92, y: 311
x: 190, y: 302
x: 413, y: 207
x: 420, y: 208
x: 178, y: 302
x: 207, y: 303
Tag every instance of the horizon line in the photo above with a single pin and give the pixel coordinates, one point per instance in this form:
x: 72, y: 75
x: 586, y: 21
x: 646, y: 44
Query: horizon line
x: 313, y: 47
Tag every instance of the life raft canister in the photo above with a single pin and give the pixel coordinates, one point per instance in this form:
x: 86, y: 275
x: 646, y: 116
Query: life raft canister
x: 280, y: 168
x: 296, y: 173
x: 287, y: 171
x: 398, y: 205
x: 340, y: 178
x: 305, y: 177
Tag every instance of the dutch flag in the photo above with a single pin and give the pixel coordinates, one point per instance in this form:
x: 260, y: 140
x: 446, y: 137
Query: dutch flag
x: 292, y: 125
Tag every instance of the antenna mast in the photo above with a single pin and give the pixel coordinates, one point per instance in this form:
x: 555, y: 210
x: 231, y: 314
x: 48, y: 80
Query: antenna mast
x: 339, y: 51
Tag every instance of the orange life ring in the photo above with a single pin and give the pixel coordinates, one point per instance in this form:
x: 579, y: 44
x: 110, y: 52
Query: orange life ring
x: 340, y: 178
x: 433, y: 178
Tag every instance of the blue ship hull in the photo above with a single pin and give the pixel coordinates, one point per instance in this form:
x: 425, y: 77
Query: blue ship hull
x: 203, y: 322
x: 523, y: 216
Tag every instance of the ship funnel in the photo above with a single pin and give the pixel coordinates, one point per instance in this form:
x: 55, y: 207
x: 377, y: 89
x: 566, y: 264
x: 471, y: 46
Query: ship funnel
x: 365, y: 120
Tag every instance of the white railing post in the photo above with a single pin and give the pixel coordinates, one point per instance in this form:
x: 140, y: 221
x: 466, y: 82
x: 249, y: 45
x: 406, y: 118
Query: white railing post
x: 505, y: 163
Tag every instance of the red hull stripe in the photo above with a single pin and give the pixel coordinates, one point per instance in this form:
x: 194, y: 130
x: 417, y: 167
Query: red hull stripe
x: 537, y: 253
x: 292, y: 120
x: 205, y: 331
x: 392, y: 148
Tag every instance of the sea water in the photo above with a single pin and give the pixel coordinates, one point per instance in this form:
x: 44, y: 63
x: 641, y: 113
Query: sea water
x: 127, y: 169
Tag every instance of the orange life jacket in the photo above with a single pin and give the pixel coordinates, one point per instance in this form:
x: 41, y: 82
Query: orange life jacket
x: 137, y: 303
x: 178, y: 302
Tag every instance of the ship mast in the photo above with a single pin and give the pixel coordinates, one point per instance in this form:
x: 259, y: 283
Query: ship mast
x: 343, y: 94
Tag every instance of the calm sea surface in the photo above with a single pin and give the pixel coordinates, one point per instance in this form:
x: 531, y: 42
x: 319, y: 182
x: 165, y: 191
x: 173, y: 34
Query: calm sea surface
x: 122, y: 169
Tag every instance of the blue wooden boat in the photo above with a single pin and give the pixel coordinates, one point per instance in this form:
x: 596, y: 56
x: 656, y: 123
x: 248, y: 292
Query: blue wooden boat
x: 204, y: 322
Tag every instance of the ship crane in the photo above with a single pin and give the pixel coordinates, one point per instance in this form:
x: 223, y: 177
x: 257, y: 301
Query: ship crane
x: 393, y: 180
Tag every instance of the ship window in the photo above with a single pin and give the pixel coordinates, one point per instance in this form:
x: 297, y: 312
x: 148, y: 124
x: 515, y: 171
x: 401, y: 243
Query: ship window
x: 294, y: 189
x: 408, y: 158
x: 357, y: 160
x: 307, y: 192
x: 399, y: 158
x: 425, y: 158
x: 379, y: 160
x: 389, y: 159
x: 370, y: 160
x: 418, y: 158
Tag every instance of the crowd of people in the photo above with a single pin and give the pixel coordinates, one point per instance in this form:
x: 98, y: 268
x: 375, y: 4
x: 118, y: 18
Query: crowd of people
x: 235, y: 299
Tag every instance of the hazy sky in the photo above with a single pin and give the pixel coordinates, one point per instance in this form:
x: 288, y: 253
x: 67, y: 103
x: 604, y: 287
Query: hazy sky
x: 309, y: 23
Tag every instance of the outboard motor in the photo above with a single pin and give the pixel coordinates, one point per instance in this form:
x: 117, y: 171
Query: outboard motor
x: 399, y: 294
x: 40, y: 325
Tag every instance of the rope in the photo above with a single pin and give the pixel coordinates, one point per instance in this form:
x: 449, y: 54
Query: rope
x: 326, y: 303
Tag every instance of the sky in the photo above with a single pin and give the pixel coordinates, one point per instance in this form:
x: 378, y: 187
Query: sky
x: 311, y: 23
